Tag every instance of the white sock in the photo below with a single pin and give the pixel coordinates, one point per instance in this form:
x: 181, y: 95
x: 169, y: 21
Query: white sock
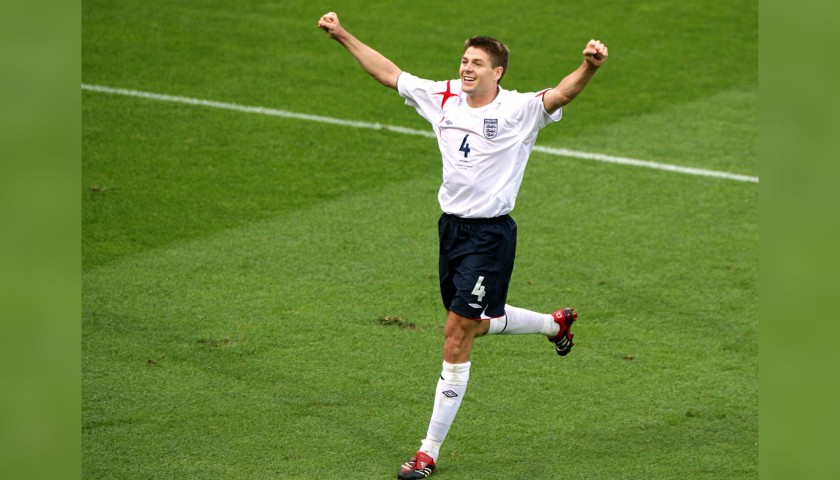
x: 450, y: 391
x: 518, y: 321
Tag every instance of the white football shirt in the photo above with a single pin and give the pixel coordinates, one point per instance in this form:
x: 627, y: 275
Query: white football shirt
x: 484, y: 150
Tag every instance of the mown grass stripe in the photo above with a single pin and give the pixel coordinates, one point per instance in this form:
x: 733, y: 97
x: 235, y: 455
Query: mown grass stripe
x: 563, y: 152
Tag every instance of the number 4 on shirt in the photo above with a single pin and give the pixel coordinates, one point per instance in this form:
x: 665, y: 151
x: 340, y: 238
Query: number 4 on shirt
x: 465, y: 147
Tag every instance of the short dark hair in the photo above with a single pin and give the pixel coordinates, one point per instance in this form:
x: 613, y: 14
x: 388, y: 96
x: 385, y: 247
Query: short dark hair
x: 497, y: 50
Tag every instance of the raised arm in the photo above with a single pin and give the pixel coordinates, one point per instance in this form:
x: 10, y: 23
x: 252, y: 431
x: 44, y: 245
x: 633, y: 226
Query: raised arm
x: 594, y: 55
x: 374, y: 63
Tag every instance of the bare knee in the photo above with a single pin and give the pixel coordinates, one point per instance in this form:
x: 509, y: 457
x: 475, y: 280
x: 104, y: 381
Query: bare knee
x: 459, y: 334
x: 456, y: 349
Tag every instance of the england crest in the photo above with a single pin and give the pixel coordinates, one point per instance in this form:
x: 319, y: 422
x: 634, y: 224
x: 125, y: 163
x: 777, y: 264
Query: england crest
x: 491, y: 127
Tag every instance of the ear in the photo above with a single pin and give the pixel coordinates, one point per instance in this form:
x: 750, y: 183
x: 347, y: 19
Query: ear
x: 499, y: 71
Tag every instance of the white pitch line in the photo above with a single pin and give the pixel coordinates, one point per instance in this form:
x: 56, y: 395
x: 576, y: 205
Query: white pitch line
x: 563, y: 152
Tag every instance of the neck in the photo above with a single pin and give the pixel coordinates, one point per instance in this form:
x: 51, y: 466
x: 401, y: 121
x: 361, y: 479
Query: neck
x: 477, y: 100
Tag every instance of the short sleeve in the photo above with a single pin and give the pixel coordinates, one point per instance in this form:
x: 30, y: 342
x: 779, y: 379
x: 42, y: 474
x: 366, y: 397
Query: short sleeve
x: 417, y: 93
x: 547, y: 117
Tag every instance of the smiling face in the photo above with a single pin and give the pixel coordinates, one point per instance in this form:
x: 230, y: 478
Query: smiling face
x: 478, y: 75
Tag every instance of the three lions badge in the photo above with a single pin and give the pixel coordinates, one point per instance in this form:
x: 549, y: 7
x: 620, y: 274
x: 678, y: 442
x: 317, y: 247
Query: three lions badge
x: 491, y: 127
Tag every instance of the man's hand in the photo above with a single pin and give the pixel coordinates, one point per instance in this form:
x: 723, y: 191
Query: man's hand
x: 329, y: 23
x: 595, y: 53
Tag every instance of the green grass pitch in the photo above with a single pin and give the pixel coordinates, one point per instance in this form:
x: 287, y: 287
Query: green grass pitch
x: 239, y: 269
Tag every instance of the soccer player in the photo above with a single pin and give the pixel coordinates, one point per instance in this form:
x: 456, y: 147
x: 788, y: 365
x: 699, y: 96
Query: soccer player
x: 485, y: 134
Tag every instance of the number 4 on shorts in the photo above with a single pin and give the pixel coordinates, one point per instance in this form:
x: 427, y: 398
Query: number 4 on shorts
x: 479, y: 290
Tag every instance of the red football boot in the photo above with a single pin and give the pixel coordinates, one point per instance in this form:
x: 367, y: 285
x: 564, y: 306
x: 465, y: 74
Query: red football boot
x: 563, y: 340
x: 420, y: 466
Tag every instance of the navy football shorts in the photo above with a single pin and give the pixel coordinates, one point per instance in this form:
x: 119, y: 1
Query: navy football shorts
x: 476, y: 263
